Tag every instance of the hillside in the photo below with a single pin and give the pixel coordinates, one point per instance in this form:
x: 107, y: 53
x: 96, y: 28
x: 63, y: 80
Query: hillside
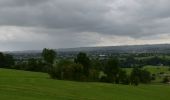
x: 23, y: 85
x: 155, y: 48
x: 107, y: 50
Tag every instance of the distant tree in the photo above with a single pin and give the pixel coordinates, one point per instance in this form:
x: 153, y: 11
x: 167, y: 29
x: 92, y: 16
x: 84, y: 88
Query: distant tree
x: 77, y: 72
x: 49, y: 55
x: 153, y: 77
x: 123, y: 77
x: 84, y: 60
x: 94, y: 75
x: 166, y: 79
x: 2, y: 60
x: 130, y: 62
x: 9, y: 60
x: 61, y: 70
x: 143, y: 76
x: 67, y: 70
x: 6, y: 60
x: 136, y: 81
x: 96, y: 64
x: 135, y: 76
x: 168, y: 69
x: 112, y: 70
x: 32, y: 65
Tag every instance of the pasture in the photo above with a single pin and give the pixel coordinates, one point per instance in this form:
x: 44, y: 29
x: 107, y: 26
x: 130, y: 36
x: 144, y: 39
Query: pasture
x: 24, y: 85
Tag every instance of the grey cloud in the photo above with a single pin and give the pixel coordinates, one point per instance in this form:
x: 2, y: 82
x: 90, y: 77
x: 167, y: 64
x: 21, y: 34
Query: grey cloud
x: 100, y: 16
x: 126, y: 18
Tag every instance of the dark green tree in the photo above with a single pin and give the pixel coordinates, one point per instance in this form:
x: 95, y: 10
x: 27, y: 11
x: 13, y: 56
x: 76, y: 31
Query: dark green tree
x: 2, y: 60
x: 49, y: 56
x: 112, y: 70
x: 77, y: 72
x: 84, y: 60
x: 67, y: 70
x: 123, y: 77
x: 143, y: 76
x: 32, y: 65
x: 135, y: 76
x: 6, y: 60
x: 9, y: 60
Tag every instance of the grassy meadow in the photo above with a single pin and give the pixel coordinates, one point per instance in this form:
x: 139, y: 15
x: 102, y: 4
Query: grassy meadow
x: 23, y: 85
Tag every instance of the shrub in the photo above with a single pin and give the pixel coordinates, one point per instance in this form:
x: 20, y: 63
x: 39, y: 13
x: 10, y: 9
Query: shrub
x: 166, y: 79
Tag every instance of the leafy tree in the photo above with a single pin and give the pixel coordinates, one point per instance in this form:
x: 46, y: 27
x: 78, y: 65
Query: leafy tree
x: 112, y: 70
x: 6, y: 60
x: 135, y: 76
x: 84, y: 60
x: 49, y: 55
x: 77, y: 72
x: 142, y: 75
x: 9, y: 60
x: 145, y: 76
x: 96, y: 64
x: 2, y: 60
x: 60, y: 70
x: 94, y: 75
x: 123, y: 77
x: 135, y: 80
x: 168, y: 69
x: 67, y: 70
x: 166, y: 79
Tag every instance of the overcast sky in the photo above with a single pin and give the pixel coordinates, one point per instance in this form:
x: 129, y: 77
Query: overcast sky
x: 36, y: 24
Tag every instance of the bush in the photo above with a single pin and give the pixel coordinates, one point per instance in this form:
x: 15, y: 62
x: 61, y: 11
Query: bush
x: 139, y: 75
x: 166, y: 79
x: 135, y: 80
x: 168, y: 69
x: 153, y: 77
x: 94, y: 75
x: 67, y: 70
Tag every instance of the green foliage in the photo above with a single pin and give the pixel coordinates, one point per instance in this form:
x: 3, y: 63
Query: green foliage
x: 166, y: 79
x: 135, y: 80
x: 6, y: 60
x: 112, y: 70
x: 93, y: 75
x: 84, y: 60
x: 123, y: 77
x: 67, y: 70
x: 32, y: 64
x: 96, y: 64
x: 139, y: 75
x: 49, y: 56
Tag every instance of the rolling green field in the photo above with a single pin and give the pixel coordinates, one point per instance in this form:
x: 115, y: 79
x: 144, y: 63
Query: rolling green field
x: 23, y: 85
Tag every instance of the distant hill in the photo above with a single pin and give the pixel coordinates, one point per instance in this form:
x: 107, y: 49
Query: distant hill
x: 107, y: 50
x: 156, y: 48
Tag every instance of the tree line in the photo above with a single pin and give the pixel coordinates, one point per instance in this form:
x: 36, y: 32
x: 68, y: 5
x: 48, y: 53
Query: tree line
x: 81, y: 68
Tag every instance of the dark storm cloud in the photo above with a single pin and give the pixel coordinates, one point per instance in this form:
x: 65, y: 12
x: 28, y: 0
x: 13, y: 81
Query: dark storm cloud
x: 135, y: 19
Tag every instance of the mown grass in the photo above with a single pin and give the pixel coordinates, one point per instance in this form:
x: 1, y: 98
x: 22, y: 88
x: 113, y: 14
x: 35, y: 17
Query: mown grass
x: 23, y: 85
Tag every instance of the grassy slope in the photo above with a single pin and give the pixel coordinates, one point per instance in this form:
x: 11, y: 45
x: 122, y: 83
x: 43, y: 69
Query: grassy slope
x: 22, y: 85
